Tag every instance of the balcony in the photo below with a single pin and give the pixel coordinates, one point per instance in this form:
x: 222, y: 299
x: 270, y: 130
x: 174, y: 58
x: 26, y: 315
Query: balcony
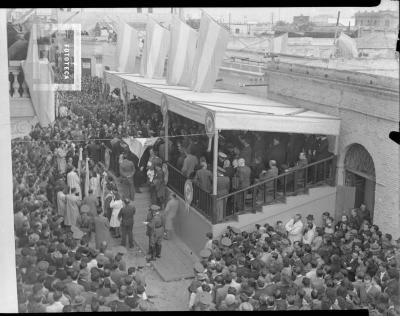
x: 295, y: 181
x: 17, y: 86
x: 22, y: 113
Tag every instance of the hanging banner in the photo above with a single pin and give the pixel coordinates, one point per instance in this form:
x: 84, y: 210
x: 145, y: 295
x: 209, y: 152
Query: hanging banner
x: 188, y: 190
x: 106, y: 90
x: 138, y: 145
x: 124, y: 92
x: 210, y: 128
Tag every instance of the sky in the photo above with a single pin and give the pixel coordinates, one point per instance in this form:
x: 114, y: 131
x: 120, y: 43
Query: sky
x: 286, y: 14
x: 90, y: 16
x: 265, y: 14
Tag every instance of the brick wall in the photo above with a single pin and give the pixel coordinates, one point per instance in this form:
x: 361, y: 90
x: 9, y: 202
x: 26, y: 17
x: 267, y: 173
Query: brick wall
x: 368, y: 106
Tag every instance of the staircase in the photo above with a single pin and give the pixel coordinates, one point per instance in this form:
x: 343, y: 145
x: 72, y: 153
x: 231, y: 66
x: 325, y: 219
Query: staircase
x: 315, y: 201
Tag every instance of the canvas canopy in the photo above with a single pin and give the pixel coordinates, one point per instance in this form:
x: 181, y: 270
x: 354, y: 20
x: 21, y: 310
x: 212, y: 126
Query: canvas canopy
x: 231, y: 110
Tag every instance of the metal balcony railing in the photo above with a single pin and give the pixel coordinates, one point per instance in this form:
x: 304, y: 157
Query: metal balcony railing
x: 294, y: 181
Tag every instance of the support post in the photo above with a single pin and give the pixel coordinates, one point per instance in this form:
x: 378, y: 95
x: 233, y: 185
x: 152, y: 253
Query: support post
x: 126, y: 112
x: 8, y: 289
x: 166, y: 140
x: 215, y: 162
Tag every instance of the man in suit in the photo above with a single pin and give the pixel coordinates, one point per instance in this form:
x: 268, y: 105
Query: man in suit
x: 126, y: 217
x: 116, y: 151
x: 204, y: 178
x: 92, y: 202
x: 189, y: 164
x: 246, y: 152
x: 161, y: 147
x: 94, y: 151
x: 322, y: 150
x: 223, y: 187
x: 101, y: 228
x: 127, y: 171
x: 73, y: 288
x: 156, y: 226
x: 171, y: 209
x: 243, y: 172
x: 277, y: 152
x: 295, y: 146
x: 257, y: 168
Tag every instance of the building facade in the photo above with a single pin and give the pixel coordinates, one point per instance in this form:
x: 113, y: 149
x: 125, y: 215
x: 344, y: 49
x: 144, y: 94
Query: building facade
x: 368, y: 169
x: 301, y: 20
x: 386, y: 20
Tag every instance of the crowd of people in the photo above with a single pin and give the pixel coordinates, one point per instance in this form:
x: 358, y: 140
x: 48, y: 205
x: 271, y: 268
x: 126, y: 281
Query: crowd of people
x: 300, y: 266
x: 69, y: 210
x: 65, y: 225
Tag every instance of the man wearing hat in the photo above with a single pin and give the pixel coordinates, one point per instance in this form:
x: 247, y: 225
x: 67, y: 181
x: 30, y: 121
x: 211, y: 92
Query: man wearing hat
x: 223, y: 187
x: 221, y: 158
x: 127, y: 171
x: 126, y: 217
x: 150, y: 214
x: 85, y: 222
x: 156, y: 233
x: 204, y: 302
x: 171, y: 209
x: 204, y: 178
x: 78, y: 304
x: 102, y: 228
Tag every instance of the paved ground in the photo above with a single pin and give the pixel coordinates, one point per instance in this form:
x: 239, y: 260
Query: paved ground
x: 169, y: 277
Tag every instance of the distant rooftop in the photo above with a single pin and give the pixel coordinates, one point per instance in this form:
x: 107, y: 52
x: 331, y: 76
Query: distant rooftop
x: 374, y: 13
x: 381, y: 67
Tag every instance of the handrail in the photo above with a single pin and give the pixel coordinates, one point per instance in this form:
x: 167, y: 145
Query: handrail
x: 194, y: 183
x: 275, y: 178
x: 202, y: 200
x: 176, y: 169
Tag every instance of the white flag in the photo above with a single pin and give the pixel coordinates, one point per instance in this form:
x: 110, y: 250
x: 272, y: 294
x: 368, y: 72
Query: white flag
x: 155, y: 50
x: 127, y: 48
x: 211, y: 46
x: 181, y: 53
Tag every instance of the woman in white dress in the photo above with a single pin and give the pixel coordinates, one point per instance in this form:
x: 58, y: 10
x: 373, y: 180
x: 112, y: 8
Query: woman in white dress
x: 116, y: 205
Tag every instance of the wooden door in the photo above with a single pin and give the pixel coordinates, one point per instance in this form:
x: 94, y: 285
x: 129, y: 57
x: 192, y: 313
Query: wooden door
x: 369, y: 196
x: 345, y: 198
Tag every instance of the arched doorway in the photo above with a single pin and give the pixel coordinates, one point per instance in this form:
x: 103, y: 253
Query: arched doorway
x: 360, y: 174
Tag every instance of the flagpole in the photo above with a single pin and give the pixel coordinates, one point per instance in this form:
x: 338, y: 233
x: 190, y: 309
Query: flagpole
x: 336, y: 32
x: 215, y: 162
x: 337, y: 26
